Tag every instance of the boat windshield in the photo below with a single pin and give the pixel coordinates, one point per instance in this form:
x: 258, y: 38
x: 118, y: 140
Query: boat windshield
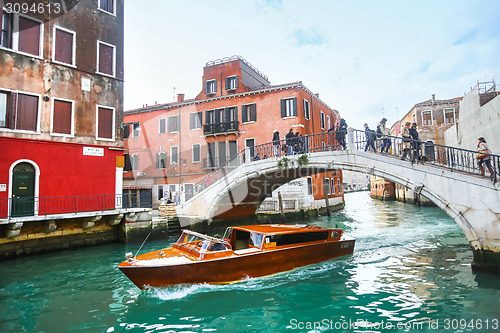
x: 201, y: 242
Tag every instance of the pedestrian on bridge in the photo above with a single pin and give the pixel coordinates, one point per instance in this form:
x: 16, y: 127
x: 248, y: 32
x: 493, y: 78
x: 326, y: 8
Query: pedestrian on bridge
x: 290, y: 140
x: 406, y: 140
x: 370, y: 138
x: 384, y: 132
x: 415, y: 143
x: 276, y: 143
x: 483, y: 157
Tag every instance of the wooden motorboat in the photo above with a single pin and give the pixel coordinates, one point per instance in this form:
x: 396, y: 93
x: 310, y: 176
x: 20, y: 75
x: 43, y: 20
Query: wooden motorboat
x: 244, y: 251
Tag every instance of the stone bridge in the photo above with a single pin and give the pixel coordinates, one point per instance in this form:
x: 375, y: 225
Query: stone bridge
x: 472, y: 201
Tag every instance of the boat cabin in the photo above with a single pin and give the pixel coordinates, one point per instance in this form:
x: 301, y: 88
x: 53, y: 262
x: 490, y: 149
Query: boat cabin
x: 256, y: 238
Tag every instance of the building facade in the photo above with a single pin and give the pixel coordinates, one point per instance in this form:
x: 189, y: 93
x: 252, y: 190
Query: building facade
x: 173, y: 146
x: 479, y: 117
x: 433, y: 117
x: 61, y: 107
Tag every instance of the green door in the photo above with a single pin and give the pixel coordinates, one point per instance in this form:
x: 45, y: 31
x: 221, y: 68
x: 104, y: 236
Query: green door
x: 23, y: 190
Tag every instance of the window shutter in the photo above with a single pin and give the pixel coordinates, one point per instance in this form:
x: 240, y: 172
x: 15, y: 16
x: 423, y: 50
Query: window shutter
x: 227, y: 112
x: 200, y: 116
x: 217, y: 116
x: 254, y: 112
x: 64, y: 47
x: 215, y: 86
x: 206, y: 87
x: 295, y: 106
x: 236, y: 82
x: 227, y: 83
x: 29, y: 36
x: 244, y: 113
x: 170, y: 124
x: 235, y: 113
x: 27, y: 112
x: 283, y: 108
x: 158, y: 160
x: 126, y: 131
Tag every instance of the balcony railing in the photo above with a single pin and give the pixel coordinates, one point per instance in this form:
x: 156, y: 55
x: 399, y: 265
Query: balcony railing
x: 220, y: 128
x: 43, y: 206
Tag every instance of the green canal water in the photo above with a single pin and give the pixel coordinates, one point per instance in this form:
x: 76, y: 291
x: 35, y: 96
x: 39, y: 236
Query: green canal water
x: 410, y: 272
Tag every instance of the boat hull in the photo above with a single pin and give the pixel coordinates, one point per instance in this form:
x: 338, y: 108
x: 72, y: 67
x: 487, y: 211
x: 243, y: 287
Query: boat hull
x: 237, y: 267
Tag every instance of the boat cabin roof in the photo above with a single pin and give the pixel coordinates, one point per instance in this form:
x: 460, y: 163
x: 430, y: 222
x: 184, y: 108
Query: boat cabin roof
x: 275, y: 229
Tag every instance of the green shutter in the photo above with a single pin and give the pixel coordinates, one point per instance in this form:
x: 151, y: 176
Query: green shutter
x: 295, y: 106
x: 254, y: 112
x: 283, y: 108
x: 243, y: 113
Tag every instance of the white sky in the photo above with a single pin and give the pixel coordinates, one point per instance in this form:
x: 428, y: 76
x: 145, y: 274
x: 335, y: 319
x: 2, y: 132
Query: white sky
x: 367, y: 59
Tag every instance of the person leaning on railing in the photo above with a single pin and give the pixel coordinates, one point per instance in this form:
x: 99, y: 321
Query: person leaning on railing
x: 483, y: 157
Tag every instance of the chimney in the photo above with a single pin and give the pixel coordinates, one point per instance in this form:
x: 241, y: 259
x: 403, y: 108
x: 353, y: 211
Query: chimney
x: 180, y: 97
x: 433, y: 99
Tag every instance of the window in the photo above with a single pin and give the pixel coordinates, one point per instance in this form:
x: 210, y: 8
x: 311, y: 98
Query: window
x: 62, y: 117
x: 231, y: 114
x: 131, y: 162
x: 210, y: 117
x: 21, y: 33
x: 174, y: 155
x: 195, y: 120
x: 173, y: 124
x: 326, y: 185
x: 106, y: 58
x: 107, y: 6
x: 322, y: 119
x: 64, y: 46
x: 449, y: 116
x: 249, y: 113
x: 162, y: 126
x: 211, y: 87
x: 196, y: 153
x: 328, y: 122
x: 332, y: 181
x: 6, y: 23
x: 250, y: 143
x: 105, y: 123
x: 339, y: 187
x: 289, y: 107
x: 426, y: 118
x: 307, y: 114
x: 136, y: 130
x: 161, y: 160
x: 19, y: 111
x: 232, y: 82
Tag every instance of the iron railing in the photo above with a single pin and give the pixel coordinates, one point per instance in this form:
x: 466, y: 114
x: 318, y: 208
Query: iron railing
x: 454, y: 159
x: 216, y: 128
x: 43, y: 206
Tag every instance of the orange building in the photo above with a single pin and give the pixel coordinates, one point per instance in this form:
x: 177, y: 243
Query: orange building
x: 173, y: 146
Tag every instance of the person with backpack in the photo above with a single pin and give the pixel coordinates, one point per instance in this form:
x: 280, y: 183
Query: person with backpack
x: 370, y: 138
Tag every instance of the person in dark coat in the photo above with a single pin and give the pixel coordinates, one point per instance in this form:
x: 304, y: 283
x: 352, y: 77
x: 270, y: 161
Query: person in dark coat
x: 370, y: 138
x: 342, y: 132
x: 415, y: 143
x: 290, y: 139
x: 276, y: 143
x: 298, y: 143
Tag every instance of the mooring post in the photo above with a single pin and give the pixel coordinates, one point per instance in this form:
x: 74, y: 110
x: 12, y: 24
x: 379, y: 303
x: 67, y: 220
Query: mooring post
x: 326, y: 182
x: 280, y: 201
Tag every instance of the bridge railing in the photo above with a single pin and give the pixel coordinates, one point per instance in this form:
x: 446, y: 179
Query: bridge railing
x: 44, y: 206
x: 422, y: 152
x: 429, y: 153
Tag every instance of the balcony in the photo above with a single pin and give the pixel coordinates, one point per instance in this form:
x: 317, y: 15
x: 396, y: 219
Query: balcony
x: 221, y: 128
